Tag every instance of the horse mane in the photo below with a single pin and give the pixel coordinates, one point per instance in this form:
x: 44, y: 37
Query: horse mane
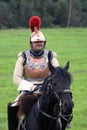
x: 65, y: 75
x: 62, y: 75
x: 25, y: 103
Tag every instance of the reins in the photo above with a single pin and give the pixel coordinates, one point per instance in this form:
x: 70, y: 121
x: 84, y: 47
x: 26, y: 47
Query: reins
x: 29, y: 93
x: 44, y: 113
x: 60, y: 115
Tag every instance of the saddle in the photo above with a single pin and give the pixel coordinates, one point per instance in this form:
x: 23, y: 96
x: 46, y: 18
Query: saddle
x: 26, y: 103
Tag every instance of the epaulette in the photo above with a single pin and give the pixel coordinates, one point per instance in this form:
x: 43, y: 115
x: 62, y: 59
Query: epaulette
x: 20, y: 54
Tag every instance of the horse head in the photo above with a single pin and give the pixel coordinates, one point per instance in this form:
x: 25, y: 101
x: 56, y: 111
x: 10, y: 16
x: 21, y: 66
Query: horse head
x: 58, y: 84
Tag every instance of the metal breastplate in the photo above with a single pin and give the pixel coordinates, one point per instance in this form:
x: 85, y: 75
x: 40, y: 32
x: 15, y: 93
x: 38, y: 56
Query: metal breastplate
x: 36, y: 68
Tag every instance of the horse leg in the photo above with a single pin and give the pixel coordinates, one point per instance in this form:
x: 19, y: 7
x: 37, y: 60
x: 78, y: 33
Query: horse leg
x: 12, y: 117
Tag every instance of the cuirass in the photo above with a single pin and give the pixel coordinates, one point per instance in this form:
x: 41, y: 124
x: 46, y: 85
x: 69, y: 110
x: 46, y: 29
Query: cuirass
x: 36, y: 67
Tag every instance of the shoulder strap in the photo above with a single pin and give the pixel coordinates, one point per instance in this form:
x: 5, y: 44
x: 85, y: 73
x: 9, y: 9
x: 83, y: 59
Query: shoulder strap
x: 25, y: 58
x: 50, y: 56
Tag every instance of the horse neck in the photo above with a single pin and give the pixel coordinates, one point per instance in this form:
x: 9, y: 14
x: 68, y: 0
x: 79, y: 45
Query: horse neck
x: 46, y: 104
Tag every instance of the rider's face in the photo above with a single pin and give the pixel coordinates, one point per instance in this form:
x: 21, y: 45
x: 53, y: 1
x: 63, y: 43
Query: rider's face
x: 37, y: 46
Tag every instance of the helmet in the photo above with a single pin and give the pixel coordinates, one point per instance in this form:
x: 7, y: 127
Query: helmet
x: 36, y: 35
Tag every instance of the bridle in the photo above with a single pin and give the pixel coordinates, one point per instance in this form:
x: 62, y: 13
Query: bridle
x: 60, y: 115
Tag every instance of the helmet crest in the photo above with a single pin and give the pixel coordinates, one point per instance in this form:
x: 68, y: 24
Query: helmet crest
x: 35, y: 23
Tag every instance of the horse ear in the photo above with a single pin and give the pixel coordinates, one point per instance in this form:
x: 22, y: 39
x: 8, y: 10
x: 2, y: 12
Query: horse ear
x: 67, y: 66
x: 51, y: 68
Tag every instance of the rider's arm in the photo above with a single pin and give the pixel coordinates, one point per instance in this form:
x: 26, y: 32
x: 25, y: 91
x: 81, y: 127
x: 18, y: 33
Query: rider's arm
x: 18, y: 71
x: 18, y: 76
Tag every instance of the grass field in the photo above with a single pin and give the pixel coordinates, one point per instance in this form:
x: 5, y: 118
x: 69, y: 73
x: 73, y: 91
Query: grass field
x: 69, y: 44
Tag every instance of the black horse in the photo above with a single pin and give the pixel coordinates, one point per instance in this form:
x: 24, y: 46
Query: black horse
x: 53, y: 109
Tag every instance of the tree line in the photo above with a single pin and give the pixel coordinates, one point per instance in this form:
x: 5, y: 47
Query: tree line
x: 63, y: 13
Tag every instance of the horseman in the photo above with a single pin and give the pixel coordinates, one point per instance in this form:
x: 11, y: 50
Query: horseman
x: 31, y: 68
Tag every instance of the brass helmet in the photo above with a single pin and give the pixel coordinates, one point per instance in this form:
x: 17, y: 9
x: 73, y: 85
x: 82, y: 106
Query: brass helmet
x: 36, y: 35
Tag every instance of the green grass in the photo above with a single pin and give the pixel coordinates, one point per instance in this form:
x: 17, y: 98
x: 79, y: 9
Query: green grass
x: 69, y: 44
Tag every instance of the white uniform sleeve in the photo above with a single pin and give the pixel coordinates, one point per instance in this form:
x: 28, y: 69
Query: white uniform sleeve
x: 18, y: 76
x: 54, y: 61
x: 18, y: 71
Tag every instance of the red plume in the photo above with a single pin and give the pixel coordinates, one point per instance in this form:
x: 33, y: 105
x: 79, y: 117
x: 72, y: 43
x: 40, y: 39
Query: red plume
x: 34, y: 22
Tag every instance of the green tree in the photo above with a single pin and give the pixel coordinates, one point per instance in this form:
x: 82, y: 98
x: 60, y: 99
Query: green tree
x: 84, y: 13
x: 5, y: 16
x: 15, y: 13
x: 76, y: 13
x: 21, y: 10
x: 61, y: 13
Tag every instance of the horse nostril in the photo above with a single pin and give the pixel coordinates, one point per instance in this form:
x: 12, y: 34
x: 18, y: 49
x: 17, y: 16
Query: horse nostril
x: 65, y: 104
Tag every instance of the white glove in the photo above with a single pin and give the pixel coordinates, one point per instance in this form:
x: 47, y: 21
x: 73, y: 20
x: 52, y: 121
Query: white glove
x: 25, y: 86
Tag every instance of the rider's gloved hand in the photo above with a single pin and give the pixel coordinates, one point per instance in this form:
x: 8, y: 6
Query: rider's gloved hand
x: 25, y: 86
